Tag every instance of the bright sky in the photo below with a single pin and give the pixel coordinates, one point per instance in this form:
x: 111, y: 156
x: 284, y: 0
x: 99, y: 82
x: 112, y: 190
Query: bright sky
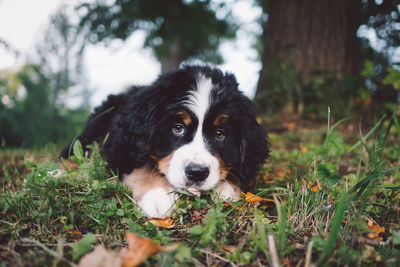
x: 113, y: 69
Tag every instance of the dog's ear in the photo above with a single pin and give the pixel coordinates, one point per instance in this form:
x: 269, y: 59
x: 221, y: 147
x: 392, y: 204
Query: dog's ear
x: 129, y: 144
x: 254, y: 146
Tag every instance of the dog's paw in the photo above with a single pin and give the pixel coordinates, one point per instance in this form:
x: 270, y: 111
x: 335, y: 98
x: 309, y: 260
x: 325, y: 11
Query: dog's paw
x: 227, y: 191
x: 157, y: 203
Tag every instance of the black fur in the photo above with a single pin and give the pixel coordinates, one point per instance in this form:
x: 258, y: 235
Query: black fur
x: 139, y: 123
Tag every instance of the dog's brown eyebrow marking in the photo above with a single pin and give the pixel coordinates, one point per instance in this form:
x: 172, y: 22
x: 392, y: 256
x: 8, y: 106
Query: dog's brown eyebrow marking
x: 220, y: 119
x: 185, y: 117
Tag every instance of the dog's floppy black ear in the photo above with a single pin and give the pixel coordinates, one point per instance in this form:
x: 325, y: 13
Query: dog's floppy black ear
x: 254, y: 146
x: 129, y: 143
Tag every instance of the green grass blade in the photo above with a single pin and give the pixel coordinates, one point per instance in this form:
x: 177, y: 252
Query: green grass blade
x: 335, y: 225
x: 281, y: 226
x: 397, y: 124
x: 368, y: 134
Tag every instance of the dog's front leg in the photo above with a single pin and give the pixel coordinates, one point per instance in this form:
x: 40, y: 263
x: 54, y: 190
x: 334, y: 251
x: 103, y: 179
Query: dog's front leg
x: 151, y: 192
x: 228, y: 189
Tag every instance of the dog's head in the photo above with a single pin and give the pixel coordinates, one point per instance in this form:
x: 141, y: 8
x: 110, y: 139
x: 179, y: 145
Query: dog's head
x: 196, y: 126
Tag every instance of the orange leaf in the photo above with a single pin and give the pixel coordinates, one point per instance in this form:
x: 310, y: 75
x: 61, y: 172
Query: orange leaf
x: 250, y: 197
x: 140, y: 248
x: 162, y: 223
x: 315, y: 188
x: 74, y: 234
x: 376, y: 231
x: 303, y: 149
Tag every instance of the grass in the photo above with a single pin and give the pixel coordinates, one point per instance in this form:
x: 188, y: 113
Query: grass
x: 336, y: 192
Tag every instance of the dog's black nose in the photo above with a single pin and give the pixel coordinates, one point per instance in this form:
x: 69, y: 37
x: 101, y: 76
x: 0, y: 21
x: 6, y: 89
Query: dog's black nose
x: 196, y: 172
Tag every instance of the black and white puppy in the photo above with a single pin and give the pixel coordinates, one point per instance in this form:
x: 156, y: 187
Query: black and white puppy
x: 191, y: 129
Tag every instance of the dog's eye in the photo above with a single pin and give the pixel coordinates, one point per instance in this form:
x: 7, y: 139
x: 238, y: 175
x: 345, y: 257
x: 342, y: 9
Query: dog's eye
x: 178, y: 129
x: 220, y: 135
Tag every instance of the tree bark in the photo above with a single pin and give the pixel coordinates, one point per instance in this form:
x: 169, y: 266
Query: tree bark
x: 316, y: 38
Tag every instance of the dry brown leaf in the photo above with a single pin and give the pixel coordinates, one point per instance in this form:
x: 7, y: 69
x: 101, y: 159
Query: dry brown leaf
x: 140, y: 248
x: 376, y: 231
x: 250, y: 197
x: 230, y: 248
x: 100, y: 257
x: 162, y: 223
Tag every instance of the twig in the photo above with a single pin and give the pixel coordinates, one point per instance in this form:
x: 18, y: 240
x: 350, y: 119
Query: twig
x: 272, y: 251
x: 51, y: 252
x: 197, y: 262
x: 216, y: 256
x: 308, y: 254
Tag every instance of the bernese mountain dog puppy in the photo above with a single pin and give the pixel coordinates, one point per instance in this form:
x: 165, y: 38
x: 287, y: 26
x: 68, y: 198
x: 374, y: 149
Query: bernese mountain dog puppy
x: 191, y: 129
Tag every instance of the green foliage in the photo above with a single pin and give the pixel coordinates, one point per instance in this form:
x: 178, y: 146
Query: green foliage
x: 393, y: 78
x: 34, y: 120
x: 83, y: 246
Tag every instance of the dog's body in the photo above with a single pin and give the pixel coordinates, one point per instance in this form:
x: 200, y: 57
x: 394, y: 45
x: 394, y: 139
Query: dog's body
x: 191, y: 129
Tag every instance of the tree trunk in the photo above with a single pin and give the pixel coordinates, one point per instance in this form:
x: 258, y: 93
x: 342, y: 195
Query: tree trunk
x: 313, y: 39
x: 172, y: 56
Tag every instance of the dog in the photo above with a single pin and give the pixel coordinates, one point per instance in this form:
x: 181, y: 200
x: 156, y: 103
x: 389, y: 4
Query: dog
x: 192, y: 129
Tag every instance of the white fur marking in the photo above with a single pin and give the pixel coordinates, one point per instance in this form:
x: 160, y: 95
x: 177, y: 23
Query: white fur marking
x: 199, y: 99
x: 227, y: 192
x: 157, y: 203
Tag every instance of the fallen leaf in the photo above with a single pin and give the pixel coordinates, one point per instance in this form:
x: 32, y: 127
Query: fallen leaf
x: 303, y: 149
x: 140, y: 248
x: 376, y: 231
x: 198, y: 216
x: 228, y: 204
x: 100, y: 257
x: 74, y: 234
x: 250, y: 197
x: 315, y: 188
x: 162, y: 223
x: 230, y: 248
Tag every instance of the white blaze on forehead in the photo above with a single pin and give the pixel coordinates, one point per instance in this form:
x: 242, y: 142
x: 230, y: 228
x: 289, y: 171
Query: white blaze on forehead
x: 199, y: 99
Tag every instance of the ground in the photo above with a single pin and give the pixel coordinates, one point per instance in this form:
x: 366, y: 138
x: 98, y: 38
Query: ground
x: 329, y: 195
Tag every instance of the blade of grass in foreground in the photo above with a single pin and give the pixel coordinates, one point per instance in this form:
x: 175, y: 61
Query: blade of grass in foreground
x: 335, y: 225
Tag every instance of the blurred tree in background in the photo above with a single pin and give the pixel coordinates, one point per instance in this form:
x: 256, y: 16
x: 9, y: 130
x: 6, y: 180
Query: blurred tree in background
x: 176, y: 30
x: 312, y: 57
x: 27, y: 115
x: 32, y: 107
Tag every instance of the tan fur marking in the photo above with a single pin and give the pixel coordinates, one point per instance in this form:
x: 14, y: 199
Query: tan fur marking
x: 223, y: 169
x: 220, y: 119
x: 163, y: 164
x: 185, y: 117
x: 144, y: 179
